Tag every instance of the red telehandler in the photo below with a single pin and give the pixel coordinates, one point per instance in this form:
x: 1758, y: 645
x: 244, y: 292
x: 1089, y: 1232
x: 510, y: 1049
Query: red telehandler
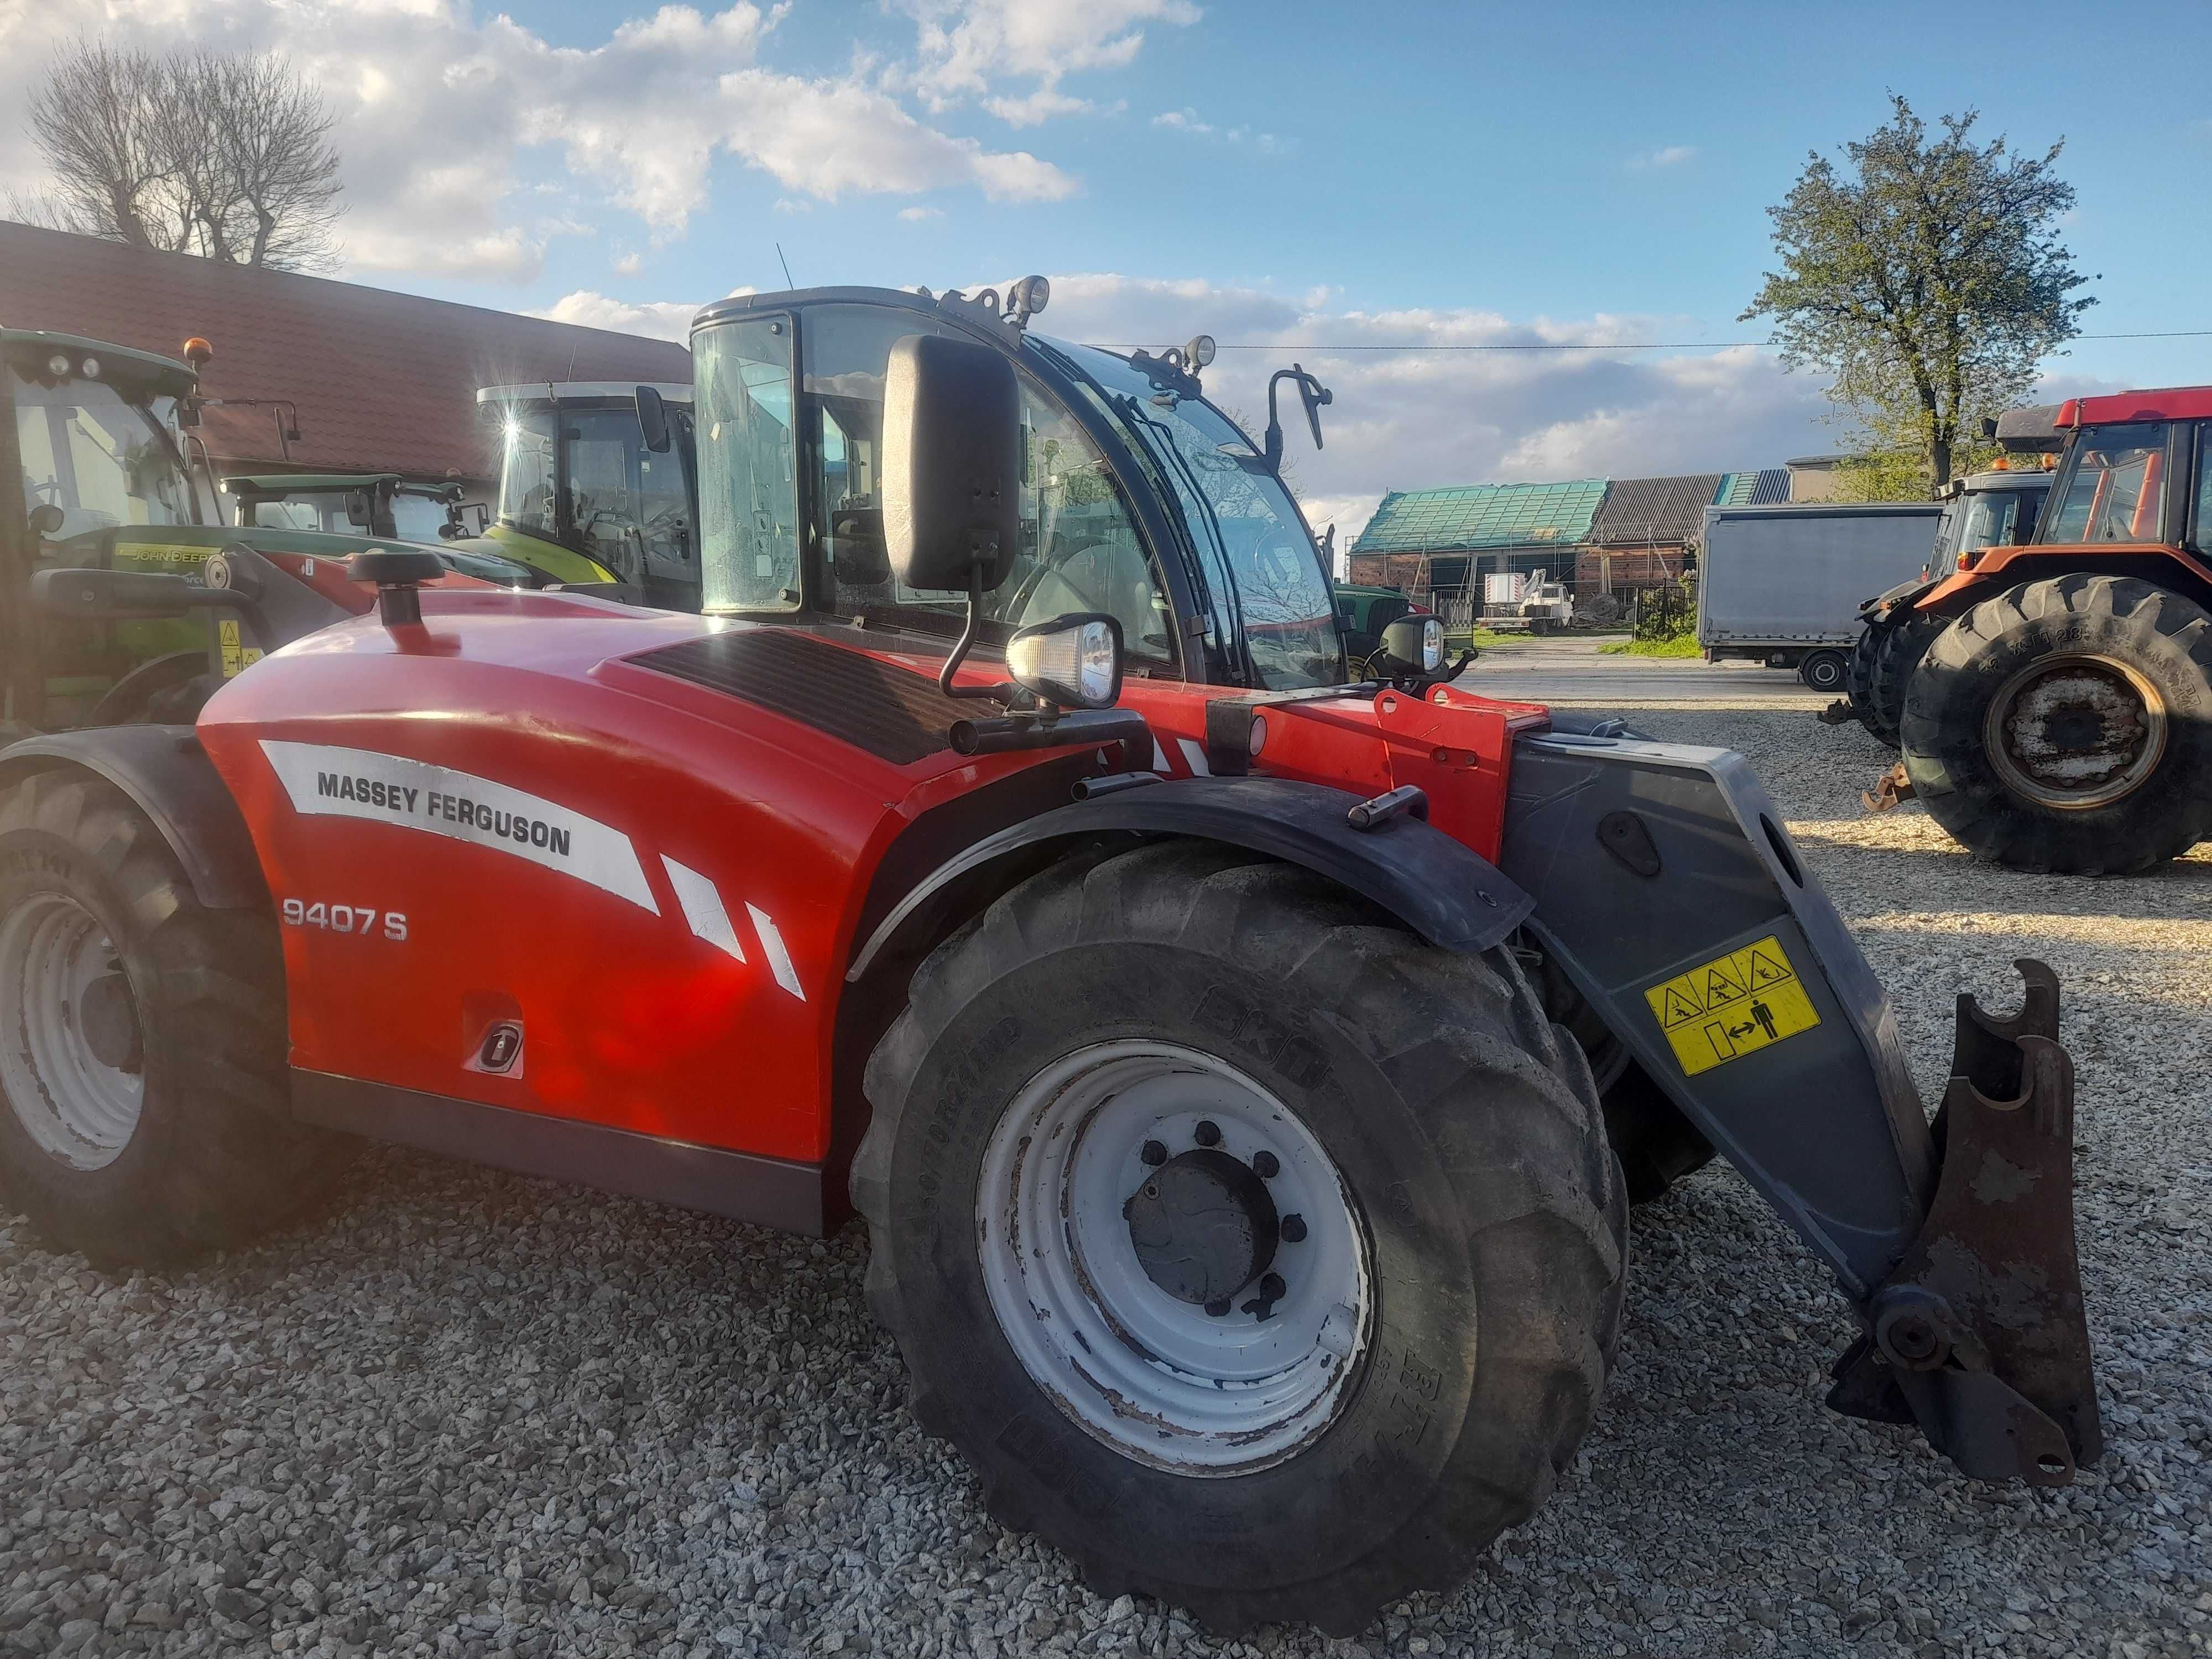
x: 1213, y: 1044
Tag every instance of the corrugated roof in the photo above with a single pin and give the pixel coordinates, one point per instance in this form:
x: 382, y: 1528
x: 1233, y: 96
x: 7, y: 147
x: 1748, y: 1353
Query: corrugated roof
x: 385, y: 382
x: 1640, y: 511
x: 1769, y: 486
x: 1475, y: 516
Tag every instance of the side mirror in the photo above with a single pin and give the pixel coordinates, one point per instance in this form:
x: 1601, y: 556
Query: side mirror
x: 46, y: 519
x: 1413, y: 645
x: 653, y: 420
x: 952, y: 477
x: 1989, y: 428
x: 357, y: 511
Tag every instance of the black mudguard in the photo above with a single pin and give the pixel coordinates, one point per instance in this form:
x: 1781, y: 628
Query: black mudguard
x: 1438, y: 887
x: 169, y: 777
x: 1651, y: 866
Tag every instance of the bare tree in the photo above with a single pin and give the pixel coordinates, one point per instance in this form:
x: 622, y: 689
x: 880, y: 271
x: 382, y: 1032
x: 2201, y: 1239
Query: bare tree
x: 223, y: 154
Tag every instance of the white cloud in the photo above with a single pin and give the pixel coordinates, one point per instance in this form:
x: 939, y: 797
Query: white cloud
x: 1406, y: 420
x: 969, y: 48
x: 1674, y: 155
x: 915, y: 215
x: 435, y: 156
x: 1187, y: 120
x: 1182, y: 120
x: 628, y: 264
x: 660, y: 320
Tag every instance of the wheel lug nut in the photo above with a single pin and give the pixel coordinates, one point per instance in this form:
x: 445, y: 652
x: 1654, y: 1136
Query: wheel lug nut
x: 1154, y: 1154
x: 1217, y: 1308
x: 1208, y: 1132
x: 1273, y: 1288
x: 1267, y: 1165
x: 1294, y: 1230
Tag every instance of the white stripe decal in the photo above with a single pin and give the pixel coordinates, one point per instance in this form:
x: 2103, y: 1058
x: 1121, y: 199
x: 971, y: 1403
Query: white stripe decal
x: 1196, y: 757
x: 702, y: 907
x: 327, y: 781
x: 779, y: 959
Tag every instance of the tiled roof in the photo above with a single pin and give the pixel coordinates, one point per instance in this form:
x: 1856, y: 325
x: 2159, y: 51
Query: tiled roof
x: 385, y: 382
x: 1641, y: 511
x: 1473, y: 516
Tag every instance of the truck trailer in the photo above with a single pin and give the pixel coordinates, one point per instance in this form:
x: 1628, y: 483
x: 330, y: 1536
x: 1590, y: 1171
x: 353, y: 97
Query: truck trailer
x: 1784, y: 584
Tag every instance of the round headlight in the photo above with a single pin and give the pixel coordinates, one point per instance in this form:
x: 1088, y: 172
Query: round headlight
x: 57, y: 366
x: 1200, y: 352
x: 92, y: 368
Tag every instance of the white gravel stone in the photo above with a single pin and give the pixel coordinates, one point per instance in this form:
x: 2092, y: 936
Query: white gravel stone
x: 461, y: 1412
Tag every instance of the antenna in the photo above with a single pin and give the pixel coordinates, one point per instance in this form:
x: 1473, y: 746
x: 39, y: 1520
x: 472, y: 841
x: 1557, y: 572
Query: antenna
x: 786, y: 263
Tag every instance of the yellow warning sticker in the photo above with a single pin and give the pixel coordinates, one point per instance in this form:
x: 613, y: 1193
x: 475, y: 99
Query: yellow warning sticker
x: 237, y: 656
x: 1732, y: 1006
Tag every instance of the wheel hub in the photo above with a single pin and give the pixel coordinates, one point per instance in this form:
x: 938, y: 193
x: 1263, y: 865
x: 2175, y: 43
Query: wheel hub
x: 1173, y: 1258
x: 71, y: 1056
x: 2076, y: 730
x: 1203, y: 1225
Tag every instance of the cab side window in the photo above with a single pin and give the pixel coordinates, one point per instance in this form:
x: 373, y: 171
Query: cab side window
x: 1080, y: 547
x: 2200, y: 511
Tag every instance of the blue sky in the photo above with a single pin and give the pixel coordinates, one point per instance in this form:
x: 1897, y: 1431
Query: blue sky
x: 1295, y: 174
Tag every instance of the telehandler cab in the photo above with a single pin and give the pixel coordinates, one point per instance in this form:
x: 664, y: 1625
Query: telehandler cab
x: 1006, y: 856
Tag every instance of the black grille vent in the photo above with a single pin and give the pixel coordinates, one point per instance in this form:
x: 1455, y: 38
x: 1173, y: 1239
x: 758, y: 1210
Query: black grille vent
x: 895, y: 714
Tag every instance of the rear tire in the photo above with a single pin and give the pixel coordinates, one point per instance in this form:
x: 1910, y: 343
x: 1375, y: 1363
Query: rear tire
x: 145, y: 1117
x: 1823, y: 671
x: 2066, y: 726
x: 1898, y: 649
x: 1466, y: 1147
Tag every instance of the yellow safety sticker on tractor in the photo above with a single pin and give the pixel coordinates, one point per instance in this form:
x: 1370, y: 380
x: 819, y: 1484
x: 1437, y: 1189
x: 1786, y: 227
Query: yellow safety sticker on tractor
x: 236, y: 655
x: 1732, y: 1006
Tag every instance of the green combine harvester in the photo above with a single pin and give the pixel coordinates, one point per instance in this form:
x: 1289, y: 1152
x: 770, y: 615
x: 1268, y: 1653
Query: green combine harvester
x: 597, y: 487
x: 101, y: 468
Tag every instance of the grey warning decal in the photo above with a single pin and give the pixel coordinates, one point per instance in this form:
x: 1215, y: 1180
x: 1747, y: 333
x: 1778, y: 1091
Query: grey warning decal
x: 327, y: 781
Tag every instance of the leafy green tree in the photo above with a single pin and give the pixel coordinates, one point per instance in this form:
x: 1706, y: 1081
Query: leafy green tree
x: 1927, y: 277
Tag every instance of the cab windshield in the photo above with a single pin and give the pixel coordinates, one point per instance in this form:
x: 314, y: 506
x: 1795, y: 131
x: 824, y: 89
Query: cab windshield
x: 1260, y: 561
x: 1990, y: 518
x: 2111, y: 485
x: 103, y: 461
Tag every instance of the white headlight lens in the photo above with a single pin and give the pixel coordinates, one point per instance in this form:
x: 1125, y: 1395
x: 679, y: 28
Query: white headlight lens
x: 1073, y: 661
x: 1432, y: 645
x: 57, y: 366
x: 92, y: 368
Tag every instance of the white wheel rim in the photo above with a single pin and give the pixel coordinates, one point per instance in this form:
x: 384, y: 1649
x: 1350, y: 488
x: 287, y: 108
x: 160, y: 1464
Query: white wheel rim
x: 2076, y: 730
x: 75, y: 1106
x: 1159, y: 1378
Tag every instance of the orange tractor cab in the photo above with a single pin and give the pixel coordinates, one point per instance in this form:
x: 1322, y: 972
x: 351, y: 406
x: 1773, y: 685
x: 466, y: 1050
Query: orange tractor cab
x: 2057, y: 690
x: 1244, y: 1070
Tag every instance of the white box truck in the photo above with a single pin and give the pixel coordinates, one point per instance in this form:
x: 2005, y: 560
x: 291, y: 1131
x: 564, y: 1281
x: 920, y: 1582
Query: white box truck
x: 1783, y: 585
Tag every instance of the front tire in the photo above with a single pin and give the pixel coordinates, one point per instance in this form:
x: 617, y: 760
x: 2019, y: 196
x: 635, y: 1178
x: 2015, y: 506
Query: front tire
x: 2066, y: 726
x: 1275, y: 1037
x: 143, y: 1116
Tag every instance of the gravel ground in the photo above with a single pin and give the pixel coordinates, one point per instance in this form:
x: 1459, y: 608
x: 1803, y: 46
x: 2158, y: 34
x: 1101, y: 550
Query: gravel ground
x: 466, y: 1413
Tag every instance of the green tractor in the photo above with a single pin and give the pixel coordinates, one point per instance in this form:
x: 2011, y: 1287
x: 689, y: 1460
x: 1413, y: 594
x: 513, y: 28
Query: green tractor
x: 597, y: 489
x: 387, y: 506
x: 99, y: 469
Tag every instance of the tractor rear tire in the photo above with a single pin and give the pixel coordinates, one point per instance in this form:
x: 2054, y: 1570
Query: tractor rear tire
x: 2066, y: 727
x: 144, y: 1119
x: 1436, y: 1134
x: 1859, y: 680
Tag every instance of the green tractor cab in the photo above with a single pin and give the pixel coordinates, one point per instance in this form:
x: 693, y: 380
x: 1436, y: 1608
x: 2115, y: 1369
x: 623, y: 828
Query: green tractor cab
x: 586, y: 498
x: 100, y: 470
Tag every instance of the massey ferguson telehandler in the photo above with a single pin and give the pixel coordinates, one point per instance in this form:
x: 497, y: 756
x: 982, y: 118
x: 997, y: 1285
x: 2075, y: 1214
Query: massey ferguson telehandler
x: 2054, y: 699
x: 1006, y: 856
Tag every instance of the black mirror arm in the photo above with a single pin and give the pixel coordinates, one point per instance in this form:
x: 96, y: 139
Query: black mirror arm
x: 1311, y: 393
x: 967, y: 643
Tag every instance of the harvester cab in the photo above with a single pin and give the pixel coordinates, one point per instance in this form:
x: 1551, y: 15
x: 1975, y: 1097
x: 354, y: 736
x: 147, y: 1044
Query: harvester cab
x: 103, y: 481
x: 1245, y: 1072
x: 2052, y: 691
x: 587, y: 497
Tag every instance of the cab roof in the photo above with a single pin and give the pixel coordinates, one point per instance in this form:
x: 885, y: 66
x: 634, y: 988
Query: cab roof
x: 157, y: 375
x: 280, y: 484
x: 547, y: 391
x: 2181, y: 403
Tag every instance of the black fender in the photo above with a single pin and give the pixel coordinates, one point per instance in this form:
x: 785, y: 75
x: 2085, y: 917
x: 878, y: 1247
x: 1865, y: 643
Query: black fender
x: 1450, y: 895
x: 169, y: 778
